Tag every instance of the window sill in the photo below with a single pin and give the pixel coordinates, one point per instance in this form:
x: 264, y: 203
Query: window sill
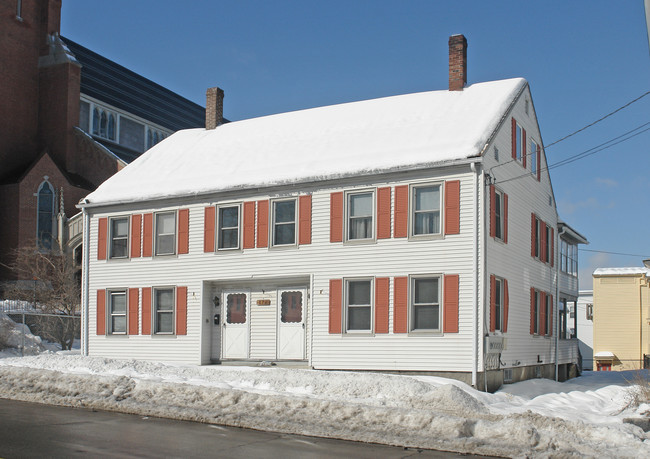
x: 425, y: 237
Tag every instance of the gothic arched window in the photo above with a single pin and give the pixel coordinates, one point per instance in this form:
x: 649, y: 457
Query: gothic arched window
x: 45, y: 217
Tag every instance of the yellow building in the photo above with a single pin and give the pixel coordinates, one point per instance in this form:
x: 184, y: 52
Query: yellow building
x: 621, y: 315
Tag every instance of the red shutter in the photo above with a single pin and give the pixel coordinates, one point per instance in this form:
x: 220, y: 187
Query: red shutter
x: 505, y: 218
x: 305, y: 220
x: 183, y: 231
x: 452, y: 207
x: 523, y: 146
x: 249, y: 225
x: 335, y: 305
x: 493, y: 213
x: 493, y: 303
x: 101, y: 312
x: 209, y: 221
x: 101, y: 238
x: 532, y: 235
x: 262, y: 223
x: 550, y: 319
x: 146, y: 311
x: 539, y: 163
x: 450, y: 303
x: 514, y: 139
x: 506, y: 301
x: 147, y: 236
x: 383, y: 213
x: 336, y: 217
x: 542, y: 246
x: 181, y: 310
x: 542, y: 313
x: 134, y: 310
x: 532, y: 311
x: 401, y: 219
x: 136, y: 236
x: 400, y: 305
x: 552, y: 247
x: 382, y: 292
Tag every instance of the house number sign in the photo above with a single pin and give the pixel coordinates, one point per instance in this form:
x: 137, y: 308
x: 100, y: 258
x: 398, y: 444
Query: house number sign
x: 263, y: 302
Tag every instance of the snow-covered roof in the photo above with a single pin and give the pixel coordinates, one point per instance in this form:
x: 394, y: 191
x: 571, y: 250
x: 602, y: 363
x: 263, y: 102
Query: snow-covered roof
x: 621, y: 271
x: 604, y: 355
x: 372, y: 136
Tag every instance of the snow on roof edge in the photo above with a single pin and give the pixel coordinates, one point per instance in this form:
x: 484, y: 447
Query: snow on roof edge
x: 626, y: 271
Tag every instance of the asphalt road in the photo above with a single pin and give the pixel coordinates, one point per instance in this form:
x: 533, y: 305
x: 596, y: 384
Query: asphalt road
x: 33, y: 430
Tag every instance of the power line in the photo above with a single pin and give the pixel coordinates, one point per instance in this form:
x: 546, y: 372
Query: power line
x: 575, y: 132
x: 598, y: 120
x: 589, y: 152
x: 615, y: 253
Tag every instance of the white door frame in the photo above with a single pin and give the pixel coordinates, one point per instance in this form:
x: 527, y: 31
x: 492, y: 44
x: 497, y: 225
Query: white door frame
x: 246, y: 328
x: 302, y: 325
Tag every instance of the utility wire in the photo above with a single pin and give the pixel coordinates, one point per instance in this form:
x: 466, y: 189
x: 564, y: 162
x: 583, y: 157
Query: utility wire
x: 573, y: 133
x: 615, y: 253
x: 589, y: 152
x: 598, y: 120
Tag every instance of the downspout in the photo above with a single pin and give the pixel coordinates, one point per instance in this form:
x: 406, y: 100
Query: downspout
x: 84, y: 282
x: 556, y: 320
x: 475, y: 278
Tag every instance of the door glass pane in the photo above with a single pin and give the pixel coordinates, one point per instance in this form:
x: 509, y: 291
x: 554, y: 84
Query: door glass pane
x: 236, y: 308
x: 291, y: 311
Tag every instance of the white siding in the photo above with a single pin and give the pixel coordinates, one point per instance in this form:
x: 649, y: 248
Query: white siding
x: 207, y: 273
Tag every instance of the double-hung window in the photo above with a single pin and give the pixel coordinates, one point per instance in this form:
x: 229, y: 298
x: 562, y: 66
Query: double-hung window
x: 533, y: 156
x: 164, y: 310
x: 360, y: 216
x: 498, y: 304
x: 425, y: 210
x: 537, y: 234
x: 228, y: 227
x: 519, y: 143
x: 358, y: 305
x: 119, y: 237
x: 166, y: 233
x: 536, y: 312
x: 547, y: 246
x: 499, y: 205
x: 284, y: 222
x: 117, y: 312
x: 425, y: 304
x: 547, y: 315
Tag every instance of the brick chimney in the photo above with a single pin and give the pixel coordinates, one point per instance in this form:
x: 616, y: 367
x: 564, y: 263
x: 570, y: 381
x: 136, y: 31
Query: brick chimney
x: 213, y: 107
x: 457, y: 62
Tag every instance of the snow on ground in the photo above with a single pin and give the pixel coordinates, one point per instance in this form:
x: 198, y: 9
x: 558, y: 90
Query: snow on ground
x: 537, y: 418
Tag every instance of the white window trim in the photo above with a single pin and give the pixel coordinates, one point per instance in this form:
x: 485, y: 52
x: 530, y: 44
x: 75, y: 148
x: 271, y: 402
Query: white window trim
x: 519, y: 143
x: 272, y: 223
x: 500, y: 306
x: 110, y: 236
x: 532, y: 156
x: 501, y: 222
x: 411, y: 211
x: 411, y: 305
x: 155, y: 233
x: 110, y: 314
x: 346, y: 214
x: 346, y: 282
x: 239, y: 227
x: 154, y: 309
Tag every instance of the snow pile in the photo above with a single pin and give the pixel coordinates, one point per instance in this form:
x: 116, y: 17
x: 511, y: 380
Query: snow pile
x: 373, y: 136
x: 583, y: 417
x: 11, y: 338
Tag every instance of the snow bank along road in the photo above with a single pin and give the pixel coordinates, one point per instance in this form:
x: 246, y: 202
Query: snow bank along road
x: 538, y: 418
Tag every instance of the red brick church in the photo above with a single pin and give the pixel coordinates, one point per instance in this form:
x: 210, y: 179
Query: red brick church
x: 69, y: 119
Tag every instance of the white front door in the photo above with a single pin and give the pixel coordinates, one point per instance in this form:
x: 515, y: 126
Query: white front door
x: 291, y: 324
x: 236, y: 318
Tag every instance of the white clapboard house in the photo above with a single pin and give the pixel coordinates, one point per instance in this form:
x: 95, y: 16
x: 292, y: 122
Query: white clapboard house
x: 414, y: 233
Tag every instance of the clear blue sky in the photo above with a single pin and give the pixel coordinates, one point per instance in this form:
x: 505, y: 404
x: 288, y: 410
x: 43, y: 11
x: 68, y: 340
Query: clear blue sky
x: 583, y: 59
